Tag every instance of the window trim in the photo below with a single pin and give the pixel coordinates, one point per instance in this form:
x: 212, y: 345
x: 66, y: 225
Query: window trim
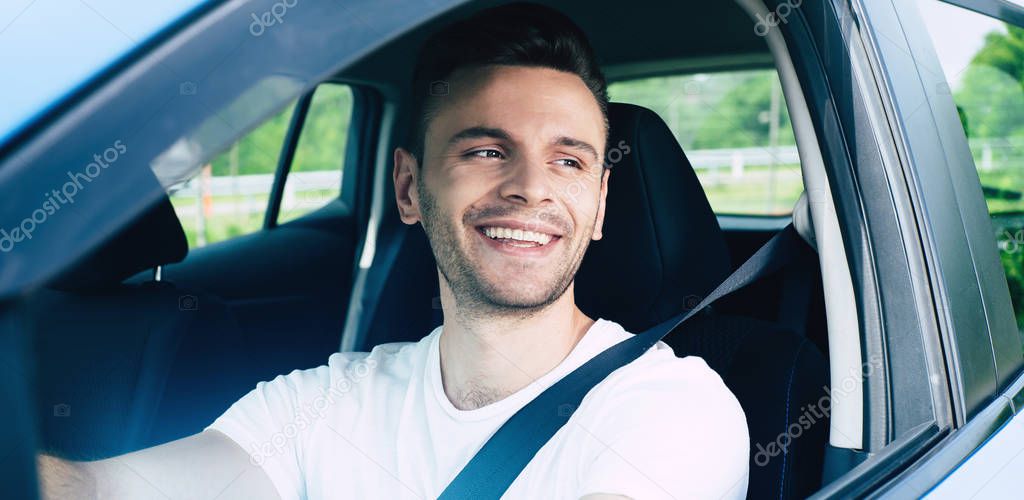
x: 681, y: 67
x: 355, y: 137
x: 284, y: 159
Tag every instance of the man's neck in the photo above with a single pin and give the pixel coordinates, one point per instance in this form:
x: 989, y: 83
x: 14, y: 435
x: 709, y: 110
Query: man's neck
x: 485, y: 359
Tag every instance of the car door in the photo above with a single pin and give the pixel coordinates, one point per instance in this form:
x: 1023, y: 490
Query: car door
x: 889, y: 399
x: 945, y: 124
x: 137, y: 103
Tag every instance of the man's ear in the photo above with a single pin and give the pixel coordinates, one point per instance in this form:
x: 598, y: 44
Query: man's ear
x: 599, y: 222
x: 406, y: 178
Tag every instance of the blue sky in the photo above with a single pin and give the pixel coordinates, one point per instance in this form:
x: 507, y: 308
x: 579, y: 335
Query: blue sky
x: 957, y: 34
x: 50, y: 47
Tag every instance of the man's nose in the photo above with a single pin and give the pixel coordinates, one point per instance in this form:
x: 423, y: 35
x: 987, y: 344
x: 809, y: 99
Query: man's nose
x: 527, y: 182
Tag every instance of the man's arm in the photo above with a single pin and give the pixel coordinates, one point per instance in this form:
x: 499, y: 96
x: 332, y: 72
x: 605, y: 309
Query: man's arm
x: 207, y: 465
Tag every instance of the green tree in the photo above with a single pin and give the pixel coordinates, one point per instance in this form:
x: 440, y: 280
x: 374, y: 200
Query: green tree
x: 741, y: 117
x: 991, y: 93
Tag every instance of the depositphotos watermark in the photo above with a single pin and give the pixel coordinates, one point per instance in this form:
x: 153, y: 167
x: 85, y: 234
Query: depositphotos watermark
x: 56, y: 199
x: 316, y: 409
x: 782, y: 12
x: 271, y: 17
x: 1011, y: 242
x: 814, y: 413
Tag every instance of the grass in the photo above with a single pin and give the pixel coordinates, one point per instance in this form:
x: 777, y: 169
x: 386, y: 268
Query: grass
x: 244, y: 219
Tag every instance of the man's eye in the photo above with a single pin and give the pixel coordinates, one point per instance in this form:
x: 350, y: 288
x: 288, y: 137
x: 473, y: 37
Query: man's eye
x: 485, y: 153
x: 571, y: 163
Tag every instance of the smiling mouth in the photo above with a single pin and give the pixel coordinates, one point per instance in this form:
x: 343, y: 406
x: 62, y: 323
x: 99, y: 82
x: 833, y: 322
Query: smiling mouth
x: 518, y: 238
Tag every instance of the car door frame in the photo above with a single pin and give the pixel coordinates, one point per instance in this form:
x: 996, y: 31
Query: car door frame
x: 984, y: 370
x: 905, y: 411
x: 139, y: 98
x: 944, y: 222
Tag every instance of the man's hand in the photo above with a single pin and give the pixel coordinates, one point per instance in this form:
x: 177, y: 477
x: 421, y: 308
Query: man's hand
x: 205, y: 466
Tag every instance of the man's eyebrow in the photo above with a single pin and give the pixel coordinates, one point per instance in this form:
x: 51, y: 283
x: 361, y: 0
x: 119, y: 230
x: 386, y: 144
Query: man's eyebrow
x: 576, y: 143
x: 500, y: 134
x: 478, y: 132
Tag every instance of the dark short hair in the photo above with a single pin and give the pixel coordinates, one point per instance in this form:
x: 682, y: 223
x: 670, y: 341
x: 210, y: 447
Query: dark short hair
x: 516, y: 34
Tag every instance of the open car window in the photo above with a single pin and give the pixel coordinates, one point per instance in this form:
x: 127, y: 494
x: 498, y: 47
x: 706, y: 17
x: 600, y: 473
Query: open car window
x: 229, y: 196
x: 983, y: 73
x: 736, y: 131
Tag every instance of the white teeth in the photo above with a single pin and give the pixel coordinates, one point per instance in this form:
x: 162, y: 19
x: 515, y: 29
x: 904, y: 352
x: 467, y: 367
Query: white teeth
x: 517, y: 234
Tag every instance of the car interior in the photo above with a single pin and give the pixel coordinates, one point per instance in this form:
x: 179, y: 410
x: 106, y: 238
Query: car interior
x: 157, y: 337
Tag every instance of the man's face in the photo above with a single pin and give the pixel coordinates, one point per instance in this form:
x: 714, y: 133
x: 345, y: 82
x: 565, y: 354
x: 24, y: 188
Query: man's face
x: 511, y: 187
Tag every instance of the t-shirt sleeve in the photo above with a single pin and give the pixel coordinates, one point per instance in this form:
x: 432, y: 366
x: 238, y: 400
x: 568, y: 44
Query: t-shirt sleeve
x: 684, y: 435
x: 270, y: 424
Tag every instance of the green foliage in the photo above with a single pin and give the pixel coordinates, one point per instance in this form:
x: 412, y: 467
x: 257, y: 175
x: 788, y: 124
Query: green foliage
x: 990, y: 101
x: 257, y: 152
x: 740, y: 119
x: 325, y: 133
x: 1004, y: 52
x: 321, y: 144
x: 321, y: 147
x: 725, y: 110
x: 711, y: 111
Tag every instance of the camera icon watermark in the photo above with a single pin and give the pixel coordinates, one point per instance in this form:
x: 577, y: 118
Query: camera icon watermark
x: 566, y: 410
x: 439, y: 88
x: 62, y: 410
x: 188, y: 88
x: 691, y: 301
x: 188, y: 303
x: 693, y: 87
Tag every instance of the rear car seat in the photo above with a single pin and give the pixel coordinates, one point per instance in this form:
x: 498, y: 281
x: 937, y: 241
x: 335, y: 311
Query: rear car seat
x: 119, y: 367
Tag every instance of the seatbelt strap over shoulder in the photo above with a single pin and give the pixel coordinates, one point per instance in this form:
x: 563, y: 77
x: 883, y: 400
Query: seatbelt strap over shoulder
x: 503, y: 457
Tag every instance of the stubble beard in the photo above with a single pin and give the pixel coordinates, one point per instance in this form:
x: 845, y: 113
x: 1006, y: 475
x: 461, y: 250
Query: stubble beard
x: 476, y: 296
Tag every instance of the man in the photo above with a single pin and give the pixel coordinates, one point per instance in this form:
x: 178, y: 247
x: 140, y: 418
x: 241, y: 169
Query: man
x: 506, y: 174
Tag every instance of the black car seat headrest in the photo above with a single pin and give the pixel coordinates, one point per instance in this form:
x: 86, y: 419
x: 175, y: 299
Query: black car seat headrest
x: 662, y: 248
x: 153, y: 239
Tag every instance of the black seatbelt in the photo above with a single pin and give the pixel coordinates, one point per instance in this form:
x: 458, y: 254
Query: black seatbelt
x: 796, y: 296
x: 503, y: 457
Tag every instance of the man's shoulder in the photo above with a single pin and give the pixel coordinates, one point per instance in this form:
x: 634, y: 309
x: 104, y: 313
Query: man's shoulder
x: 672, y: 418
x: 663, y: 383
x: 659, y: 367
x: 395, y: 359
x: 662, y: 379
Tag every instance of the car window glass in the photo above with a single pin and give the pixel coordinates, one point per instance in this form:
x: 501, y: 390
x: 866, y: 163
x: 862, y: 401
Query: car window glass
x: 983, y: 66
x: 228, y: 196
x: 734, y: 128
x: 315, y: 175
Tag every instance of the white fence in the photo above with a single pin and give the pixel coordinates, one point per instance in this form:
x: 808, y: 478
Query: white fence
x: 259, y: 185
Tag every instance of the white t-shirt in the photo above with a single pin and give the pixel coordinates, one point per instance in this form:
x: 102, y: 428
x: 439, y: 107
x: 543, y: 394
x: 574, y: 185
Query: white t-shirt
x: 379, y: 425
